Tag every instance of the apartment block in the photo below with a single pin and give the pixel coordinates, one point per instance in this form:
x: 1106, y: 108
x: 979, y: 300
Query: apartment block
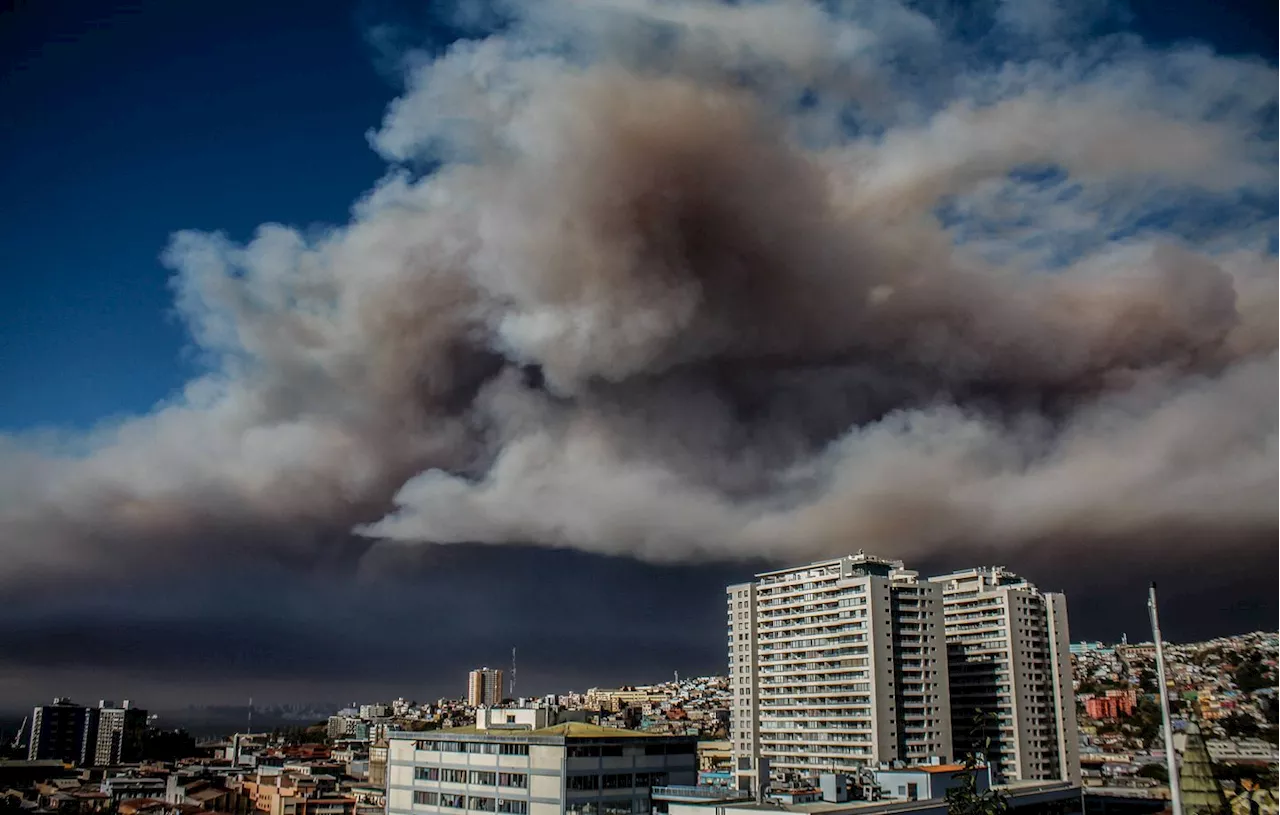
x: 119, y: 733
x: 571, y: 768
x: 1008, y: 650
x: 838, y: 665
x: 484, y: 687
x: 63, y: 731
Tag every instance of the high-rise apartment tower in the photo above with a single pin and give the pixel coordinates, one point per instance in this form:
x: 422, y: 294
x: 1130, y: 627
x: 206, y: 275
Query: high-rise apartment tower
x: 1009, y: 654
x: 837, y: 665
x: 484, y: 687
x: 63, y: 731
x: 119, y: 733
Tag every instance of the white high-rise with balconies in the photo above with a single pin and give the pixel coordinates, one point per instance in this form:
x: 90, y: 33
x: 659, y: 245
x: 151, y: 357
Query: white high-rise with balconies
x: 837, y: 665
x: 1009, y: 654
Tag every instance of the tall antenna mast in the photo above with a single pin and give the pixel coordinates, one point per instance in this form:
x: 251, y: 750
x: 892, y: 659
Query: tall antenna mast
x: 1171, y: 757
x: 250, y: 723
x: 513, y: 672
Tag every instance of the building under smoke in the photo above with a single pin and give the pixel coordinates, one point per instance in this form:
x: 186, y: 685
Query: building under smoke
x: 853, y: 663
x: 484, y: 687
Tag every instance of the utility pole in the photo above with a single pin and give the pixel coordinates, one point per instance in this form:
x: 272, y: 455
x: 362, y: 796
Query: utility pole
x: 1171, y: 756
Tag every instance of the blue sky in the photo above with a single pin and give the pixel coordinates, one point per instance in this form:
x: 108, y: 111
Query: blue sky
x: 129, y: 121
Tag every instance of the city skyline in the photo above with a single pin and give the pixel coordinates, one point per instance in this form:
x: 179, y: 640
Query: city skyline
x: 325, y: 378
x: 541, y: 678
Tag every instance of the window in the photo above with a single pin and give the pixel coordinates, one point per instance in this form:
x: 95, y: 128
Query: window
x: 651, y: 779
x: 426, y: 773
x: 513, y: 780
x: 453, y: 776
x: 584, y: 782
x: 676, y: 749
x: 483, y: 778
x: 482, y: 748
x: 617, y: 781
x: 518, y: 807
x: 428, y: 798
x: 514, y: 750
x: 448, y: 799
x: 481, y: 804
x: 618, y: 807
x: 583, y: 751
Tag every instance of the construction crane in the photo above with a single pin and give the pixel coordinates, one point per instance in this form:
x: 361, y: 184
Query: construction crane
x: 17, y: 739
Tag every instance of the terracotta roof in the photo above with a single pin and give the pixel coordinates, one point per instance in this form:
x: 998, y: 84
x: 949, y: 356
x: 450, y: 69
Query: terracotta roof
x: 207, y: 794
x: 133, y: 805
x: 942, y: 768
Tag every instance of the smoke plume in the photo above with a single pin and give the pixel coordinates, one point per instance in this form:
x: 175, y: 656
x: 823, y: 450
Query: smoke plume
x: 689, y: 280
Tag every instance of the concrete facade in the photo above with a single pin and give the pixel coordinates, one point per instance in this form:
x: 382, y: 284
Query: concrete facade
x: 569, y: 768
x: 838, y: 665
x: 1009, y: 652
x: 63, y: 731
x: 119, y: 733
x: 484, y: 687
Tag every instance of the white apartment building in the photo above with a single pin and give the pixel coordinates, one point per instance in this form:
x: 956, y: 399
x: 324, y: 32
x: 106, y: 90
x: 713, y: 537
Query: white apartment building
x: 838, y: 665
x: 120, y: 733
x: 484, y: 687
x: 564, y: 769
x: 1009, y: 652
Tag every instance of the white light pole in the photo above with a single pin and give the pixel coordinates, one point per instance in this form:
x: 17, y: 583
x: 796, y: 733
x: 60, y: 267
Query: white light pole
x: 1170, y: 754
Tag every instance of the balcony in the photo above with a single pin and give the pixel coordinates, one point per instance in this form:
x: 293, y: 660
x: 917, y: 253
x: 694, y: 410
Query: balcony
x: 699, y: 794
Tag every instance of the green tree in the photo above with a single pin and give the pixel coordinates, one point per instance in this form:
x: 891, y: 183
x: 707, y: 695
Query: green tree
x: 1240, y: 726
x: 1146, y: 721
x: 1148, y: 681
x: 1157, y: 771
x: 1252, y: 675
x: 966, y: 799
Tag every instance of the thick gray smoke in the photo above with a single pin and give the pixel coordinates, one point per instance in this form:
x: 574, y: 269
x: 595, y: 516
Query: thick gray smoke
x: 695, y: 280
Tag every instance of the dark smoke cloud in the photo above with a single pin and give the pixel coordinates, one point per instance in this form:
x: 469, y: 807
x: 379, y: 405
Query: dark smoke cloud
x: 692, y: 280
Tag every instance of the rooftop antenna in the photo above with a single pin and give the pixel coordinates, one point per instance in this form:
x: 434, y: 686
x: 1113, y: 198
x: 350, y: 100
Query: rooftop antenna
x: 250, y: 722
x: 1171, y: 756
x: 513, y: 672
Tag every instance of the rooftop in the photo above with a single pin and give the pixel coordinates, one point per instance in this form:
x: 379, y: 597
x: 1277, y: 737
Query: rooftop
x: 564, y: 730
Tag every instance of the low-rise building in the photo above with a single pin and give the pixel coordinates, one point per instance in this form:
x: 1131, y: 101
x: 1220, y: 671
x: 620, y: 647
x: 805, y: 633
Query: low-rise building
x: 1243, y: 750
x: 378, y: 765
x: 572, y: 768
x: 927, y: 781
x: 123, y: 787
